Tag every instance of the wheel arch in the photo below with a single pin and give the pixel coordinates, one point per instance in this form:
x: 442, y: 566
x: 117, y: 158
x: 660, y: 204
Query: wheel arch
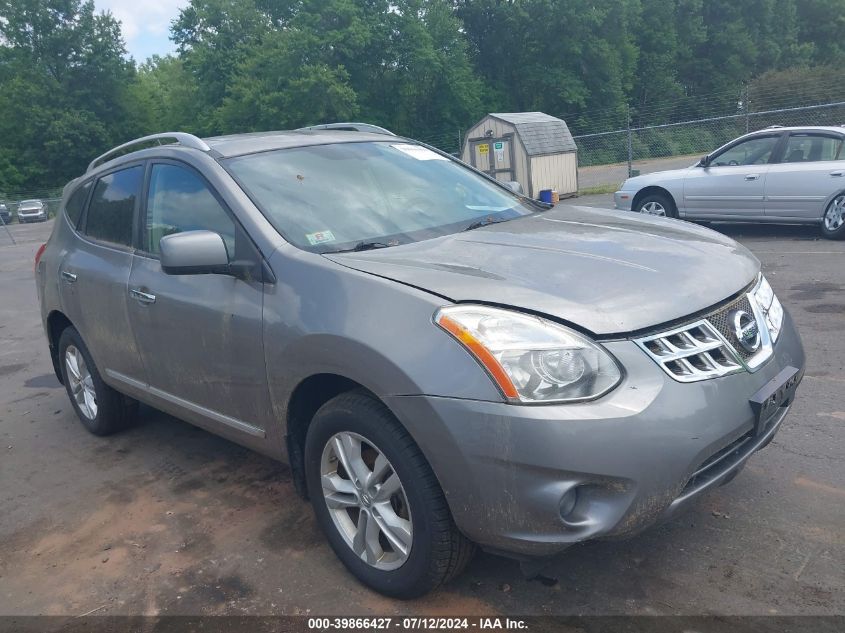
x: 653, y: 189
x: 829, y: 200
x: 306, y: 398
x: 57, y: 322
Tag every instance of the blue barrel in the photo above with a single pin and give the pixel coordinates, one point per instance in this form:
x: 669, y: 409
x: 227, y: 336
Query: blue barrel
x: 546, y: 195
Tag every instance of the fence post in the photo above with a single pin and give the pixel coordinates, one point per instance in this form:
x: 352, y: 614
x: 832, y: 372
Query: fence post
x: 630, y: 139
x: 8, y: 232
x: 747, y: 110
x: 460, y: 143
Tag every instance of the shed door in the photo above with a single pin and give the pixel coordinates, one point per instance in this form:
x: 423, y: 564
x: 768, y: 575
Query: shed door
x: 494, y: 156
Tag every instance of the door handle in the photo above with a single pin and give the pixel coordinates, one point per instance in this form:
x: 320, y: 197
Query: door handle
x: 68, y: 277
x: 142, y: 297
x: 837, y: 174
x: 752, y: 176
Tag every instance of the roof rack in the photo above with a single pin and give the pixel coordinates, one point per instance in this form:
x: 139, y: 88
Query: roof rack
x: 181, y: 138
x: 349, y: 127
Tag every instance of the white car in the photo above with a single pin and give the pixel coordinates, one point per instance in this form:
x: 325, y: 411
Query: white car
x: 775, y: 175
x: 32, y: 211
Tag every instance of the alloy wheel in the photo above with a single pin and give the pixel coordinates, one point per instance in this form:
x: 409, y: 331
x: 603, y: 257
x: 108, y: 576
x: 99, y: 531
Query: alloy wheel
x: 81, y: 383
x: 834, y: 217
x: 366, y: 501
x: 653, y: 208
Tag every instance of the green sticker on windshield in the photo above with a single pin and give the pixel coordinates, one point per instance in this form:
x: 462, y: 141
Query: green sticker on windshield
x: 320, y: 237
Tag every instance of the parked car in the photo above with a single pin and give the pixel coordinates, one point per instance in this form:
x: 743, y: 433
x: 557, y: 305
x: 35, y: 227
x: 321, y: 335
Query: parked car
x: 776, y: 175
x: 32, y: 211
x: 5, y: 214
x: 441, y: 361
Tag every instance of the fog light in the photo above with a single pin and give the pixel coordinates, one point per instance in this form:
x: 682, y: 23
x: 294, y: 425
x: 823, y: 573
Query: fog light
x: 568, y: 501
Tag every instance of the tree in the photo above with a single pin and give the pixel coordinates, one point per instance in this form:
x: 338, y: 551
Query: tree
x: 64, y: 76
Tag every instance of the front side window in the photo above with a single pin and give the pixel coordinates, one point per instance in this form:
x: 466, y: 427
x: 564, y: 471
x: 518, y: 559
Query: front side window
x: 806, y: 148
x: 179, y: 200
x: 112, y: 206
x: 754, y: 151
x: 334, y: 197
x: 76, y: 202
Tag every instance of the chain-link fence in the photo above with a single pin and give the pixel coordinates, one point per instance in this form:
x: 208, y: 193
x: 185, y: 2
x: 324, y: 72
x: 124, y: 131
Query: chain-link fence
x: 605, y: 159
x: 10, y: 201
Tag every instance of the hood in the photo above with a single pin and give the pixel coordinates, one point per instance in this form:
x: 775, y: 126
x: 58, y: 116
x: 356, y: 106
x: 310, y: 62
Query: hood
x: 638, y: 182
x: 607, y: 272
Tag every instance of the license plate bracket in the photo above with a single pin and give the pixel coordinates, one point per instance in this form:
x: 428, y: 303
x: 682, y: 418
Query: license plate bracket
x: 772, y: 396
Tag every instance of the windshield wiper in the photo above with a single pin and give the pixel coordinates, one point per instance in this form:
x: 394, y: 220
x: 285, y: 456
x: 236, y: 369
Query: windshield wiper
x: 485, y: 222
x: 364, y: 246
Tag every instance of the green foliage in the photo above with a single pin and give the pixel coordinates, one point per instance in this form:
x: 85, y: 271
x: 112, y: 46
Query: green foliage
x: 424, y: 68
x: 63, y: 74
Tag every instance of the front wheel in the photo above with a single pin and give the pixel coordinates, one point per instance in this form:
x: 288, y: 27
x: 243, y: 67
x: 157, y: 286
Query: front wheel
x: 656, y: 204
x: 378, y: 501
x: 833, y: 221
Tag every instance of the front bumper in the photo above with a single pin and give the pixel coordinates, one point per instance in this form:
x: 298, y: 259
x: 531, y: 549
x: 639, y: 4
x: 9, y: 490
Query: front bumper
x: 623, y: 200
x: 32, y: 217
x: 632, y: 455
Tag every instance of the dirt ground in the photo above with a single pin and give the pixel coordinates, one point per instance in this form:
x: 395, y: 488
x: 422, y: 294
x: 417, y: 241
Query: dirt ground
x: 167, y: 519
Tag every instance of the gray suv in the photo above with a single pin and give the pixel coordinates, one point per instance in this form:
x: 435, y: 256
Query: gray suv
x: 441, y: 361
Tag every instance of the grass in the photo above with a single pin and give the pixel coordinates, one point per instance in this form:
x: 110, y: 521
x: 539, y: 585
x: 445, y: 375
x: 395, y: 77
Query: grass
x: 593, y: 191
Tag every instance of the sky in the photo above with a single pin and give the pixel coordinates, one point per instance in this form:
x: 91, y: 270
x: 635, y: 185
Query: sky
x: 145, y: 24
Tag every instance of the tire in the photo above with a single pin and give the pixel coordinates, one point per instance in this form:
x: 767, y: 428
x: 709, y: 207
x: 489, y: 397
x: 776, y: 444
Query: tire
x: 833, y: 220
x: 111, y: 410
x: 435, y: 550
x: 658, y: 204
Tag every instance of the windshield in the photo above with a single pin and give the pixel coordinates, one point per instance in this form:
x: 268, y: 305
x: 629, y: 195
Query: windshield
x: 327, y: 198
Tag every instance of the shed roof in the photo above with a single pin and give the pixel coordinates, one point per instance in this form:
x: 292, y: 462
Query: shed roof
x: 540, y: 133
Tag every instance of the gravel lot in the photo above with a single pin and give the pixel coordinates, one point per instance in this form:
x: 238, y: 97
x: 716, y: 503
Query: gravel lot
x: 167, y: 519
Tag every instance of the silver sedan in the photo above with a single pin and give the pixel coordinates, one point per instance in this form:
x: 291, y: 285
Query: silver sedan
x: 775, y: 175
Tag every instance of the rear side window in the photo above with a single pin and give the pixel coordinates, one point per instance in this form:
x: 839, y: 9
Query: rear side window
x: 76, y: 202
x: 112, y: 206
x: 179, y: 200
x: 808, y: 148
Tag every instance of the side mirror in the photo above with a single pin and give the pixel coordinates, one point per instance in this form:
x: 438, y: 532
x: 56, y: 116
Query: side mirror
x: 514, y: 186
x: 705, y: 161
x: 194, y: 253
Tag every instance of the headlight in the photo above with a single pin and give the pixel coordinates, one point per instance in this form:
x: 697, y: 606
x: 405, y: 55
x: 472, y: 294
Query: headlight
x: 769, y: 305
x: 532, y: 360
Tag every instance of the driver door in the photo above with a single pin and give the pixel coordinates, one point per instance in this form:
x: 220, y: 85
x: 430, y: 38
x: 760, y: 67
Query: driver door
x: 732, y: 186
x: 200, y: 336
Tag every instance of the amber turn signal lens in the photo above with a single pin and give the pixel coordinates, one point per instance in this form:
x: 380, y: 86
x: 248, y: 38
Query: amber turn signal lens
x: 481, y: 353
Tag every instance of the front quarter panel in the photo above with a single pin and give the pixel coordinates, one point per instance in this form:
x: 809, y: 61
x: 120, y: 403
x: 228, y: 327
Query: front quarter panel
x: 324, y: 318
x: 672, y: 181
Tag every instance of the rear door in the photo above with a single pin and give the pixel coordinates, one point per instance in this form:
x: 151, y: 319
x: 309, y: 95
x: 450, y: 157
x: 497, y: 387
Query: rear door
x: 732, y: 185
x: 811, y: 171
x: 200, y: 336
x: 94, y: 272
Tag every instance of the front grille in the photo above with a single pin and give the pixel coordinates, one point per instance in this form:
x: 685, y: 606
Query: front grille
x: 692, y: 352
x: 708, y: 347
x: 720, y: 321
